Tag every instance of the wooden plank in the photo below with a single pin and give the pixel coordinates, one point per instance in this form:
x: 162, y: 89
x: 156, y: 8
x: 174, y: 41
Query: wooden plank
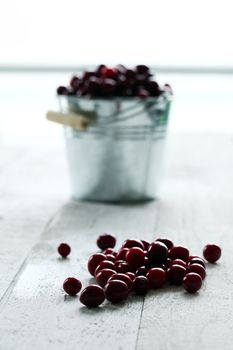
x: 37, y: 315
x: 30, y: 194
x: 196, y: 208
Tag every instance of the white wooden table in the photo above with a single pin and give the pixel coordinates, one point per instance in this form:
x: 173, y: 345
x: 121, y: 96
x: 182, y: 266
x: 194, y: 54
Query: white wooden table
x: 195, y: 207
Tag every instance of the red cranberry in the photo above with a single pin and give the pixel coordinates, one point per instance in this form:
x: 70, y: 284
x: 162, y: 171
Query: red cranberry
x: 106, y: 241
x: 178, y: 252
x: 135, y: 257
x: 145, y: 243
x: 64, y: 250
x: 175, y: 274
x: 142, y: 69
x: 156, y: 277
x: 131, y: 275
x: 129, y: 73
x: 108, y: 86
x: 130, y: 243
x: 197, y: 261
x: 141, y: 271
x: 99, y: 69
x: 178, y: 262
x: 121, y: 266
x: 88, y: 75
x: 110, y: 257
x: 153, y: 88
x: 110, y: 251
x: 197, y: 268
x: 93, y: 85
x: 74, y: 82
x: 116, y: 291
x: 143, y: 93
x: 111, y: 73
x: 121, y: 254
x: 92, y: 296
x: 62, y: 90
x: 105, y: 264
x: 191, y: 257
x: 192, y: 282
x: 72, y: 286
x: 94, y: 261
x: 122, y: 277
x: 166, y: 241
x: 212, y: 253
x: 103, y: 276
x: 157, y: 253
x: 141, y: 285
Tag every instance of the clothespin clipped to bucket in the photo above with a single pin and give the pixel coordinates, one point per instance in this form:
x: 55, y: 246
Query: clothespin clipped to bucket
x: 74, y: 120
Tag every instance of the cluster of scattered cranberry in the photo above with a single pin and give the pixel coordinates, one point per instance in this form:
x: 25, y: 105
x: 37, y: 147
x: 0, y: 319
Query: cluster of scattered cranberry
x: 119, y: 81
x: 137, y: 267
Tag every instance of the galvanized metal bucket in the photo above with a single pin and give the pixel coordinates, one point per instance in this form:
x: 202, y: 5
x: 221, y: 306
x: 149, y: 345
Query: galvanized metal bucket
x: 118, y: 157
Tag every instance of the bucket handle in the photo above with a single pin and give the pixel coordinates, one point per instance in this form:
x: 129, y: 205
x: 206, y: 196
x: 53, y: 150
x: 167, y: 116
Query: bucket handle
x: 74, y: 120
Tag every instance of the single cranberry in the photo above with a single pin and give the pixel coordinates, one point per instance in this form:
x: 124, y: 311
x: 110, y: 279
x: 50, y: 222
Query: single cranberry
x: 131, y: 275
x: 121, y: 254
x: 197, y: 268
x: 130, y: 243
x: 143, y: 93
x: 93, y: 85
x: 99, y: 69
x: 74, y: 82
x: 103, y: 276
x: 106, y: 241
x: 156, y: 277
x: 94, y: 261
x: 192, y: 282
x: 129, y: 73
x: 135, y: 257
x: 64, y: 249
x: 110, y: 257
x: 105, y: 264
x: 141, y: 285
x: 141, y: 271
x: 116, y: 291
x: 88, y: 74
x: 157, y: 253
x: 108, y: 87
x: 72, y: 286
x: 153, y: 88
x: 178, y: 262
x: 178, y: 252
x: 62, y: 90
x: 122, y: 277
x: 110, y: 251
x: 212, y: 253
x: 197, y: 261
x: 146, y: 244
x: 142, y: 69
x: 166, y: 241
x: 110, y: 73
x: 92, y: 296
x: 175, y: 274
x: 122, y: 266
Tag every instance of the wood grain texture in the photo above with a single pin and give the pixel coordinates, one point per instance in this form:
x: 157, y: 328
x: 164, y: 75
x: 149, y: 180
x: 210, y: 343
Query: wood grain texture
x: 38, y: 315
x: 29, y: 197
x: 195, y: 208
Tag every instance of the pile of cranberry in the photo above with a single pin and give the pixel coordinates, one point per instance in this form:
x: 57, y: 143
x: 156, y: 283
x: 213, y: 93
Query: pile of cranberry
x: 118, y: 81
x: 137, y: 267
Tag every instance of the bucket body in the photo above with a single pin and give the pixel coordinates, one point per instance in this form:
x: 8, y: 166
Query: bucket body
x: 118, y: 158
